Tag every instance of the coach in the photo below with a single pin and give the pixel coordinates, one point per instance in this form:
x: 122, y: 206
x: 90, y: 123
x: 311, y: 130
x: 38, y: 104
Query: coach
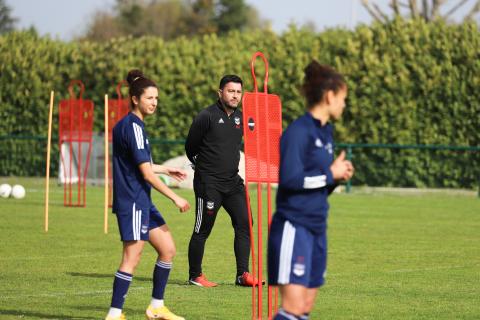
x: 213, y: 146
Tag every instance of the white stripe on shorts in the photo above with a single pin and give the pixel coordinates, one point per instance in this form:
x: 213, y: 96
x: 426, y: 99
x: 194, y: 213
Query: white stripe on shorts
x: 134, y: 213
x: 136, y: 222
x: 198, y: 223
x: 286, y: 251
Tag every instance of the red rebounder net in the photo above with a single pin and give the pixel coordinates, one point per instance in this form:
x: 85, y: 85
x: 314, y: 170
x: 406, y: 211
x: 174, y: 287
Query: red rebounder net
x: 75, y: 145
x: 262, y: 127
x: 117, y: 109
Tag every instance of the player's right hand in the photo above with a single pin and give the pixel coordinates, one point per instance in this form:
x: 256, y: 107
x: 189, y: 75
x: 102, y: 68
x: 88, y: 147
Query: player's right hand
x: 182, y: 204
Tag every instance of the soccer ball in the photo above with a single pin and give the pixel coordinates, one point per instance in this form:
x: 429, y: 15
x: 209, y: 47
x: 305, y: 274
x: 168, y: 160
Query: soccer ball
x: 5, y: 190
x: 18, y: 191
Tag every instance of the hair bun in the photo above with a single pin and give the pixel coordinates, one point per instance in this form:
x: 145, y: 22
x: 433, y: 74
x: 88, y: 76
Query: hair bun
x: 134, y: 75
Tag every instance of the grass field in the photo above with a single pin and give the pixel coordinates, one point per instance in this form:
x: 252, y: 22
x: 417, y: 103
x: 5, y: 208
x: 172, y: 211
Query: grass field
x: 390, y: 257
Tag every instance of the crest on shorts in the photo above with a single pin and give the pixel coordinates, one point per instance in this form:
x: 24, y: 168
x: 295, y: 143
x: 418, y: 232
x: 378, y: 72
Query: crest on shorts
x: 210, y: 205
x: 299, y: 269
x: 144, y: 229
x: 237, y: 121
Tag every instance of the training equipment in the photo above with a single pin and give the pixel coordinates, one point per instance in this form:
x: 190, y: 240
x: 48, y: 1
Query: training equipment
x: 202, y: 281
x: 49, y: 147
x: 106, y: 186
x: 161, y: 313
x: 5, y: 190
x: 262, y: 112
x: 75, y: 144
x: 115, y: 110
x: 18, y: 191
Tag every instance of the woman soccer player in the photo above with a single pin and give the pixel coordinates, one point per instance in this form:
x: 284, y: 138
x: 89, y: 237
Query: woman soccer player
x: 297, y: 247
x: 138, y: 220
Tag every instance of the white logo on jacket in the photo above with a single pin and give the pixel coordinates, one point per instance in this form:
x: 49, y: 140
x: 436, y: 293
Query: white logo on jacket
x: 237, y: 121
x: 318, y: 143
x: 221, y: 120
x: 210, y: 205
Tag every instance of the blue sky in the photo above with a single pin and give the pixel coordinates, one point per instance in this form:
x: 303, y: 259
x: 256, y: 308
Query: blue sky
x: 66, y: 19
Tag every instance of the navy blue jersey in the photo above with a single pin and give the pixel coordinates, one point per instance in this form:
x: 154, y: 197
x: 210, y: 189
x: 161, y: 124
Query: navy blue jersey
x: 130, y: 149
x: 306, y: 154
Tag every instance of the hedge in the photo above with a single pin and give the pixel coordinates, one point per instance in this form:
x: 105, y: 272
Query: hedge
x: 410, y: 82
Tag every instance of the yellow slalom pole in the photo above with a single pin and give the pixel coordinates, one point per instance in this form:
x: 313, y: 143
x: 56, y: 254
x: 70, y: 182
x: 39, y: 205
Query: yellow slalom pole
x: 47, y: 175
x: 105, y: 213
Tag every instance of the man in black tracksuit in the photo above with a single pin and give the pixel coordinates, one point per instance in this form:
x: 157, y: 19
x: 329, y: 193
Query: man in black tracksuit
x: 213, y: 146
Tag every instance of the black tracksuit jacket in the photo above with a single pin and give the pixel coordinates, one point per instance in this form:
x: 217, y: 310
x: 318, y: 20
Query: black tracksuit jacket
x: 213, y: 144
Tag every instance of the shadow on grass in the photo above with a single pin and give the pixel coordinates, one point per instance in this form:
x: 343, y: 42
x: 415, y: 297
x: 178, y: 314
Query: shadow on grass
x: 102, y: 276
x: 29, y: 315
x: 178, y: 282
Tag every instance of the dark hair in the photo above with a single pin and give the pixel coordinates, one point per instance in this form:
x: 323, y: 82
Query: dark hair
x: 319, y: 79
x: 229, y: 78
x: 137, y: 83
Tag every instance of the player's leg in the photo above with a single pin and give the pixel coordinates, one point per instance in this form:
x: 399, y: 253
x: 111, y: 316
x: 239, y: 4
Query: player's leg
x: 130, y: 225
x: 235, y: 204
x: 161, y: 240
x: 207, y: 202
x: 318, y: 270
x: 309, y: 302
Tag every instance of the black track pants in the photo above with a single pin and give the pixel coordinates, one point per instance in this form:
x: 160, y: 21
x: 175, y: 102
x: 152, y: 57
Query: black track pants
x: 209, y: 199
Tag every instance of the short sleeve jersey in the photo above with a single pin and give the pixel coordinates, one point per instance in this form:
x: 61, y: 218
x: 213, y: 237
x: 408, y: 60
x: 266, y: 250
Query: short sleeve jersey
x: 130, y: 149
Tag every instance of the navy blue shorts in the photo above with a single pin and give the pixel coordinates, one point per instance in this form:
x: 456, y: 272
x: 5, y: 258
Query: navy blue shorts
x: 296, y: 255
x: 136, y: 224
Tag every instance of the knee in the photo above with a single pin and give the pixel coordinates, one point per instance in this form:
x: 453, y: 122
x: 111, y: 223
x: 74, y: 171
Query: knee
x: 308, y: 306
x: 130, y: 262
x: 168, y: 254
x: 297, y: 307
x: 200, y: 236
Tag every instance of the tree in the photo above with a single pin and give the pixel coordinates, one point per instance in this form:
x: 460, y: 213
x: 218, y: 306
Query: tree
x: 428, y: 10
x: 7, y: 22
x: 172, y: 18
x: 233, y: 15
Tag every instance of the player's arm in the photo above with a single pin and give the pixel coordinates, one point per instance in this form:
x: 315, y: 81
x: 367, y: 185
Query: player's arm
x: 195, y: 135
x: 150, y: 176
x: 175, y: 173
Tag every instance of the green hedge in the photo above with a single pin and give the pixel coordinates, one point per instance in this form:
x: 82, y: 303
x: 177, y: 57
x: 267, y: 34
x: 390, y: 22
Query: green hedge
x: 409, y: 83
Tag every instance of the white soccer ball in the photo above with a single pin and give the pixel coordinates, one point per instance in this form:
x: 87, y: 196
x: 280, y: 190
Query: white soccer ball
x: 5, y: 190
x: 18, y: 191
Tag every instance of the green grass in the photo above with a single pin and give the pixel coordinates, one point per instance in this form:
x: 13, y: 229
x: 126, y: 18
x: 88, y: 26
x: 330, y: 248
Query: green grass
x: 390, y: 257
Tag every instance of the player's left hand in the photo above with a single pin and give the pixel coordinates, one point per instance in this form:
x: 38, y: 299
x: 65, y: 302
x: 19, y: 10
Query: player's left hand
x: 176, y: 173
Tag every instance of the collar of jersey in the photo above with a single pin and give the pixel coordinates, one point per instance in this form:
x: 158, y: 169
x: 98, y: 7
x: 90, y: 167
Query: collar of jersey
x: 317, y: 122
x: 136, y: 119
